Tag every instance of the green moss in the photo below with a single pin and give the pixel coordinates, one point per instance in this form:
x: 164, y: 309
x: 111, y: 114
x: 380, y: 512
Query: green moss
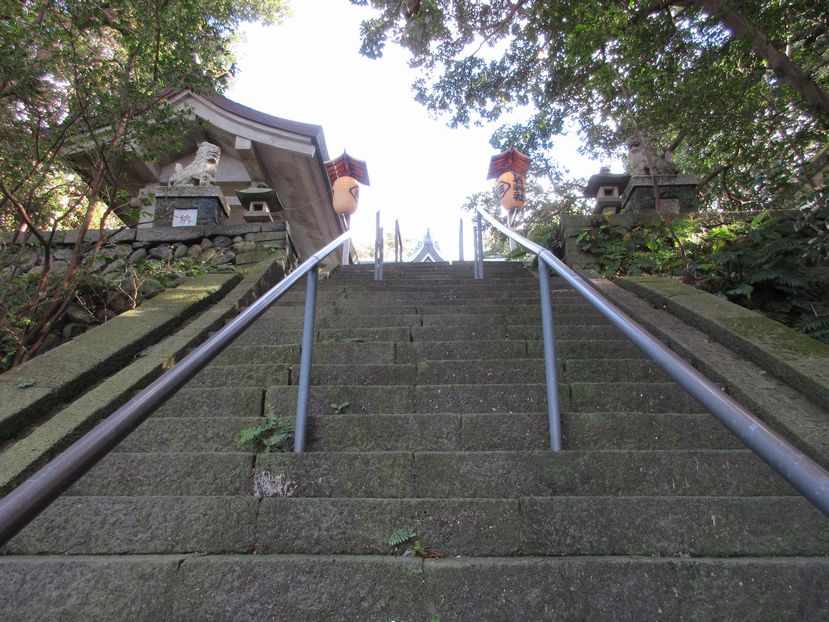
x: 777, y: 336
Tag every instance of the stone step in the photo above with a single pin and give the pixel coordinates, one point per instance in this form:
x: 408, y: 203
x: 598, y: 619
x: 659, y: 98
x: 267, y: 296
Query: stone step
x: 445, y: 432
x: 537, y: 526
x: 269, y: 587
x: 503, y: 287
x: 461, y: 289
x: 504, y: 326
x: 509, y: 474
x: 257, y: 335
x: 493, y: 371
x: 498, y: 474
x: 333, y: 352
x: 475, y: 398
x: 507, y: 307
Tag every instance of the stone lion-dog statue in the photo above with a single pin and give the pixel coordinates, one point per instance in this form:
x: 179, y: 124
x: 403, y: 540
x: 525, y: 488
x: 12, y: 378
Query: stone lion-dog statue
x: 199, y: 172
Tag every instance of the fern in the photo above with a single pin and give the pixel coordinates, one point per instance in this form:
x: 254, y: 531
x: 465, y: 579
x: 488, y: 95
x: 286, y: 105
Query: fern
x: 247, y: 435
x: 401, y: 536
x: 273, y: 435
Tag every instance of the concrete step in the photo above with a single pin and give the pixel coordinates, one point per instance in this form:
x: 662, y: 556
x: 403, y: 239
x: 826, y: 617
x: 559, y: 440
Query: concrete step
x: 549, y: 526
x: 445, y: 432
x: 232, y: 587
x: 498, y: 474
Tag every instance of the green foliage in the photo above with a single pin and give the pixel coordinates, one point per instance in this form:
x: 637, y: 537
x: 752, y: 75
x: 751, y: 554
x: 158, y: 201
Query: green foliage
x: 413, y: 547
x: 687, y: 73
x: 401, y: 536
x: 769, y: 264
x: 89, y: 290
x: 85, y: 92
x: 273, y: 435
x: 341, y: 407
x: 408, y: 537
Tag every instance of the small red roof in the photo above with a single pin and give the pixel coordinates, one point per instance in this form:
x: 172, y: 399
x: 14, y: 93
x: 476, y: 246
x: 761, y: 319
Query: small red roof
x: 346, y: 166
x: 509, y: 160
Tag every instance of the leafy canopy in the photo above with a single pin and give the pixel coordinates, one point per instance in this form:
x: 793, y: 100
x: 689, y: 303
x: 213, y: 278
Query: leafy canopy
x: 738, y: 90
x: 83, y: 86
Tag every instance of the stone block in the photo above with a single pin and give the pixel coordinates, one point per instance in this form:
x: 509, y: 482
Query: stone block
x: 170, y: 234
x: 251, y: 257
x: 265, y: 236
x: 230, y: 230
x: 278, y: 225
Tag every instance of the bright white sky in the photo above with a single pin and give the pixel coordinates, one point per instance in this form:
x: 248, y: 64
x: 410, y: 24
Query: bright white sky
x: 309, y: 69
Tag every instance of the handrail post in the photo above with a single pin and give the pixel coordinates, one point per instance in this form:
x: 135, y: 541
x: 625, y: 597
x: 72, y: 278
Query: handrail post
x: 305, y: 356
x: 550, y: 365
x: 480, y: 246
x: 378, y: 249
x: 460, y: 239
x: 475, y: 250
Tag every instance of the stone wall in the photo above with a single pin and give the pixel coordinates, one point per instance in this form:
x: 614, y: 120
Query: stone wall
x: 211, y: 245
x: 126, y: 277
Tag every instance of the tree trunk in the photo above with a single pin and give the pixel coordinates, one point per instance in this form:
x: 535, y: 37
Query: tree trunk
x: 791, y: 74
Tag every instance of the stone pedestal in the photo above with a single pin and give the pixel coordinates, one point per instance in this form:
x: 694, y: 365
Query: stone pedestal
x: 206, y: 203
x: 677, y: 194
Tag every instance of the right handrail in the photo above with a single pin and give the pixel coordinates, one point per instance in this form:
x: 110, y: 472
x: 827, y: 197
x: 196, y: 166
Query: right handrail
x: 806, y: 475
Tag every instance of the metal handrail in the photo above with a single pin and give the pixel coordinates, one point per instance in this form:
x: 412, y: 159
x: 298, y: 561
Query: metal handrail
x: 803, y: 473
x: 26, y: 501
x: 378, y: 249
x: 398, y: 243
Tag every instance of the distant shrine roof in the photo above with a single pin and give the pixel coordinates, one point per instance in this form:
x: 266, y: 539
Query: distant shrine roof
x: 427, y: 250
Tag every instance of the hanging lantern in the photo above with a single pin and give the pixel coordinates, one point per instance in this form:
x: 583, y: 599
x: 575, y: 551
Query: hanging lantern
x: 509, y: 168
x: 511, y: 190
x: 346, y: 195
x: 345, y: 174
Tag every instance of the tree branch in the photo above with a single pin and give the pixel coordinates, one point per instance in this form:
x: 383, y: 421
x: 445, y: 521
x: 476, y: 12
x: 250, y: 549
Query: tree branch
x: 782, y: 65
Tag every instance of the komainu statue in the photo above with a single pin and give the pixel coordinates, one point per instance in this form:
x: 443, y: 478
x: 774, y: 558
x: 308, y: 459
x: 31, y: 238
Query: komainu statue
x: 643, y: 159
x: 201, y: 171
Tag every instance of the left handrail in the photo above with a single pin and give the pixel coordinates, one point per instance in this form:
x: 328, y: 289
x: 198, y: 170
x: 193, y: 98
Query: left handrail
x: 803, y: 473
x: 25, y: 502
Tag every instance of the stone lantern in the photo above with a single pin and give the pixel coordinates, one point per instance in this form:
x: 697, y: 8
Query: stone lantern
x: 259, y: 202
x: 606, y: 188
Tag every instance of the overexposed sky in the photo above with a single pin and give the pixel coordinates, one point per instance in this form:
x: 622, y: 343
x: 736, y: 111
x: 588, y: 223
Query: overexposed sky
x: 309, y: 69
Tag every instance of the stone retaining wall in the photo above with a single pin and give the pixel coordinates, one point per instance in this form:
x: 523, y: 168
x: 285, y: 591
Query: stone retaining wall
x: 211, y: 245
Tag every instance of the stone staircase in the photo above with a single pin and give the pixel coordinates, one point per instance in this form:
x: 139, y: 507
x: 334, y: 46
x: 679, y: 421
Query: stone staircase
x: 653, y: 511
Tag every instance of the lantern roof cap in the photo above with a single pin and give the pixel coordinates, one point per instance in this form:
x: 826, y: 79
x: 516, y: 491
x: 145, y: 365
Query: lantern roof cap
x: 619, y: 180
x: 509, y: 160
x: 347, y: 166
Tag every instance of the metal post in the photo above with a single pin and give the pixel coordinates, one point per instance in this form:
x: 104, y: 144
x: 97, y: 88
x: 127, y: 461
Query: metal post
x: 510, y: 222
x: 480, y: 246
x: 550, y: 367
x: 475, y: 251
x: 346, y: 254
x: 378, y: 241
x: 305, y: 361
x: 460, y: 240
